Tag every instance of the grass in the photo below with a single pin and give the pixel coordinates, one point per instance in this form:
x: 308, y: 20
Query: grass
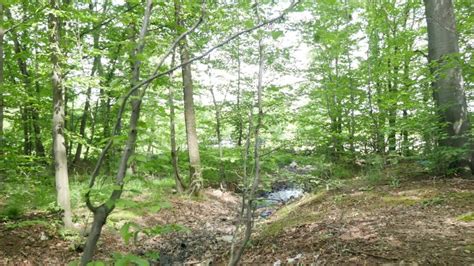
x: 141, y: 195
x: 468, y: 217
x: 400, y: 200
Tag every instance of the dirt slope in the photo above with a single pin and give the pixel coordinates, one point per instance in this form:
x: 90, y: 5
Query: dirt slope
x: 424, y: 222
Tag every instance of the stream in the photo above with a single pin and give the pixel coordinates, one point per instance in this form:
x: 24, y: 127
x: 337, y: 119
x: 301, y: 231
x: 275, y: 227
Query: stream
x: 270, y: 201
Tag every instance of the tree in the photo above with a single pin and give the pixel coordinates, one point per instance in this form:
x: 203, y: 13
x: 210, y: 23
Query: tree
x: 59, y: 145
x: 248, y: 204
x: 2, y: 30
x: 195, y: 171
x: 174, y: 152
x: 102, y: 212
x: 448, y: 90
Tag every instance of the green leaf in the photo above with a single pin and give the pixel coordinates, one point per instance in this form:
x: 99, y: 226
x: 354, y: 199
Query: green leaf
x: 96, y: 263
x: 276, y: 34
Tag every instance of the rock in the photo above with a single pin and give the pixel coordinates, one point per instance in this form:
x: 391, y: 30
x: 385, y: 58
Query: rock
x: 265, y: 214
x: 43, y: 236
x: 293, y: 165
x: 227, y: 238
x: 295, y: 258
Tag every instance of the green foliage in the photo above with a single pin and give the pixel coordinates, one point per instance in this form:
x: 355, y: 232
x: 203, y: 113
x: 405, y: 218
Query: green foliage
x: 27, y: 223
x: 433, y: 201
x: 11, y: 212
x: 374, y: 171
x: 126, y: 233
x: 468, y: 217
x: 440, y: 160
x: 131, y: 230
x: 127, y: 259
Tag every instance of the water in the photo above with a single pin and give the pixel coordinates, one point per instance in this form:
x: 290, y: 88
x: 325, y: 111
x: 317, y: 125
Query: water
x: 281, y: 196
x: 285, y: 195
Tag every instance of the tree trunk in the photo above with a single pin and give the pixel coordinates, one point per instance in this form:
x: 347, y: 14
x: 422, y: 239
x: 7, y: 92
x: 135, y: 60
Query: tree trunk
x: 249, y: 206
x: 189, y: 115
x: 449, y: 94
x: 102, y: 212
x: 85, y: 114
x: 392, y: 109
x: 59, y: 148
x: 31, y: 112
x: 217, y: 112
x: 239, y: 110
x: 93, y: 125
x: 1, y: 79
x: 174, y: 152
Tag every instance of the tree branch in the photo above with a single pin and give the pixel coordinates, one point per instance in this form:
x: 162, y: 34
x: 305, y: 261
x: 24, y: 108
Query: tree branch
x: 156, y: 75
x: 100, y: 161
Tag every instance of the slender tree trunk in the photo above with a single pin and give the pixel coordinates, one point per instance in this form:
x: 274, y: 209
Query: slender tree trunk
x: 93, y: 123
x: 102, y: 212
x: 174, y: 153
x: 249, y: 206
x: 406, y: 76
x: 1, y: 80
x: 85, y: 113
x: 217, y: 113
x: 449, y: 94
x: 392, y: 111
x: 27, y: 144
x: 375, y: 129
x: 31, y: 112
x: 189, y: 115
x: 71, y: 122
x: 59, y: 146
x: 239, y: 110
x: 352, y: 107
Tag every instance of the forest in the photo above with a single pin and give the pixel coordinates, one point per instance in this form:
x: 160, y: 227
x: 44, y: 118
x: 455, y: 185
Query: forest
x: 234, y: 132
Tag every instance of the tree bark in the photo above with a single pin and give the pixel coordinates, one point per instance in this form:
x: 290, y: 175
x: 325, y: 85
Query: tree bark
x: 102, y: 212
x: 31, y: 116
x: 59, y: 148
x: 239, y: 93
x: 2, y: 30
x: 217, y: 113
x: 249, y: 205
x: 189, y: 114
x: 174, y: 153
x: 449, y: 94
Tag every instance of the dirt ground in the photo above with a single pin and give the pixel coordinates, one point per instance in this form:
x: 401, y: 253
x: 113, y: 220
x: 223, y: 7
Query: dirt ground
x: 423, y: 222
x: 414, y: 222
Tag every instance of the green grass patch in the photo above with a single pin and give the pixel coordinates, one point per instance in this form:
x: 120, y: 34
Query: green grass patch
x: 461, y: 197
x: 433, y: 201
x: 400, y: 200
x: 292, y: 220
x: 468, y: 217
x: 28, y: 223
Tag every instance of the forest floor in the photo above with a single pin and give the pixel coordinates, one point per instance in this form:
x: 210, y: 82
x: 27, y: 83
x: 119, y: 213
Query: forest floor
x: 424, y: 222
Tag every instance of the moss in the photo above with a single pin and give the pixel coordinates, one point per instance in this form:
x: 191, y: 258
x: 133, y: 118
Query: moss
x: 461, y: 197
x: 11, y: 212
x: 28, y: 223
x: 433, y: 201
x: 399, y: 200
x: 468, y: 217
x: 123, y: 215
x: 295, y: 214
x: 293, y: 219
